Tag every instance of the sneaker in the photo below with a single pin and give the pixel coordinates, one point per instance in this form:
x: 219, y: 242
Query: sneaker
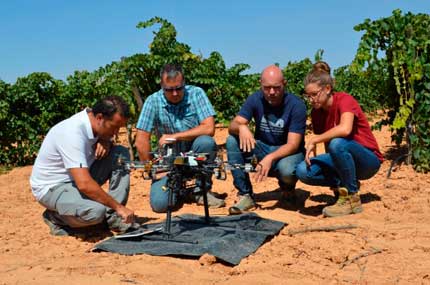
x: 54, y: 228
x: 345, y: 205
x: 246, y: 203
x: 213, y: 202
x: 116, y: 224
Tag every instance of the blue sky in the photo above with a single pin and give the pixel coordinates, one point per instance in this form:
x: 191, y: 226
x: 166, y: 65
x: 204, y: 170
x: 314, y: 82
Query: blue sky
x: 61, y: 36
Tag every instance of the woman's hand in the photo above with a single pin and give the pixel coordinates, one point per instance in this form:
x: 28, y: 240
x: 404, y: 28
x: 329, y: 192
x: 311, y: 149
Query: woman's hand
x: 311, y: 147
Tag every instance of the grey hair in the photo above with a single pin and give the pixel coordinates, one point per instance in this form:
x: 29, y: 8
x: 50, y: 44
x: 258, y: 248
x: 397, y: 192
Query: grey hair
x: 172, y: 71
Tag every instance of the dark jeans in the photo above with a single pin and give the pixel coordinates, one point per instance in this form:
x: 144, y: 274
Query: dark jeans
x: 283, y: 169
x: 345, y: 163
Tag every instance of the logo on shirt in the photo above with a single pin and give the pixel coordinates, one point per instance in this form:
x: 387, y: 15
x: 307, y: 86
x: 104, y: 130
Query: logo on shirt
x: 272, y: 124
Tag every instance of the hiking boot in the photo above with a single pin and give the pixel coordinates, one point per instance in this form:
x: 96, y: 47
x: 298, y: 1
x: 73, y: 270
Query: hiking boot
x: 335, y: 192
x: 246, y: 203
x: 116, y: 224
x: 54, y: 228
x: 213, y: 202
x: 345, y: 205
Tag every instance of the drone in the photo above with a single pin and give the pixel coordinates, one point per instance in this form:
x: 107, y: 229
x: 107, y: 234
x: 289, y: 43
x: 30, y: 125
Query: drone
x: 166, y: 158
x: 181, y: 168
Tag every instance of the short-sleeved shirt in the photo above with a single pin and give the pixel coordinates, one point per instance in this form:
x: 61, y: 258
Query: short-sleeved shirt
x: 272, y: 124
x: 69, y: 144
x: 361, y: 133
x: 163, y: 117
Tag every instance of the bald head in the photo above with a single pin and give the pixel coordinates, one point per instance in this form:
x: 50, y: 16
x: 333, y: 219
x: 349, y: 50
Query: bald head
x: 272, y: 73
x: 272, y: 84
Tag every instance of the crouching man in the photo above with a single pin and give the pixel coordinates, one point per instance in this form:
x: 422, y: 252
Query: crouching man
x: 75, y: 158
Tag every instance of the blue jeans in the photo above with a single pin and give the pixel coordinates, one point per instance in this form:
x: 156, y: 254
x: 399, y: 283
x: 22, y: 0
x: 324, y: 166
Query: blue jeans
x: 345, y: 163
x: 284, y: 169
x: 158, y: 197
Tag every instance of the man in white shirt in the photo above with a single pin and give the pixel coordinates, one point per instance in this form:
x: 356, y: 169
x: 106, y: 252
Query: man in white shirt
x: 75, y: 158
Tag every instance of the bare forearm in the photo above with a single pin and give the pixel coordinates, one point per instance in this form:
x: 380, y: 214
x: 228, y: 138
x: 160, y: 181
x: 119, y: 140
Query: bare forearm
x: 93, y: 191
x: 143, y: 145
x: 144, y: 151
x: 193, y: 133
x: 283, y: 151
x: 233, y: 129
x: 335, y: 132
x: 343, y: 129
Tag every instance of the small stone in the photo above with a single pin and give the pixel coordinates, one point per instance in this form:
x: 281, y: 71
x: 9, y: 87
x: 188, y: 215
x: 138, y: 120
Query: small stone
x: 207, y: 259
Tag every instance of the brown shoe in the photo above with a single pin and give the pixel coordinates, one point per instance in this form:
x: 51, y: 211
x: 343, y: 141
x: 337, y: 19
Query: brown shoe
x: 345, y: 205
x: 246, y: 203
x: 213, y: 202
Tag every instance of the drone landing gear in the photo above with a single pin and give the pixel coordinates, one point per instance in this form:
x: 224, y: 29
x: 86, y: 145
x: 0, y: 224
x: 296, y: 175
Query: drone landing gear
x: 175, y: 182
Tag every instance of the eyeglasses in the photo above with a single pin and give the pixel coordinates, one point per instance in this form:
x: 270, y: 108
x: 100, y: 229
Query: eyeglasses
x: 171, y: 89
x: 312, y: 96
x: 275, y: 88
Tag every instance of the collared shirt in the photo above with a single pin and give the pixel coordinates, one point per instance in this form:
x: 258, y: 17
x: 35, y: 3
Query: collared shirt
x: 69, y: 144
x: 162, y: 117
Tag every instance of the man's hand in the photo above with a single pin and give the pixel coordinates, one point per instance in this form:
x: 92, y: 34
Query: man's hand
x: 102, y: 149
x: 246, y: 139
x: 165, y: 139
x: 126, y: 214
x: 262, y: 169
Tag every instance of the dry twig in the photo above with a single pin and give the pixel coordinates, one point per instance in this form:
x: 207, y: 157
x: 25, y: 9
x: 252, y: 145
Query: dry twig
x: 321, y: 229
x: 373, y: 250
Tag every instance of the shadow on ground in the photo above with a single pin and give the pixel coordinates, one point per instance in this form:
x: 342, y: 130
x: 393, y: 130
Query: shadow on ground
x: 101, y: 231
x: 290, y: 204
x: 298, y: 203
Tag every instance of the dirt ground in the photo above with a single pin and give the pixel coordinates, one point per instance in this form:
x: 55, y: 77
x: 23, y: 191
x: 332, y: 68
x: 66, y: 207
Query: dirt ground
x: 390, y: 244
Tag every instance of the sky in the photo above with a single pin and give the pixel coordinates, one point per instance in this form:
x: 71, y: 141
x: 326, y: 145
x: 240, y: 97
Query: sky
x: 59, y: 36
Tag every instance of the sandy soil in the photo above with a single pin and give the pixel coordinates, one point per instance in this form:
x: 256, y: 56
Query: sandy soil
x: 390, y: 244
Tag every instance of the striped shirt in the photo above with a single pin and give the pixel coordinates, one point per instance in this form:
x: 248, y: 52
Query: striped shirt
x: 161, y: 117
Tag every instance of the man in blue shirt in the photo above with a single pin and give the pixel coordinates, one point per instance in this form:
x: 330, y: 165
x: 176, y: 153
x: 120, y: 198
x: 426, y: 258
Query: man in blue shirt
x: 278, y: 142
x: 181, y: 113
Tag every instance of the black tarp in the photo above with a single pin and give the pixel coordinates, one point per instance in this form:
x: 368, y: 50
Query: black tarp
x: 229, y: 238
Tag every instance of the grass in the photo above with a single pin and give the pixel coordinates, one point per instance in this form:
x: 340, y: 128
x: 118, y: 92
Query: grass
x: 4, y: 169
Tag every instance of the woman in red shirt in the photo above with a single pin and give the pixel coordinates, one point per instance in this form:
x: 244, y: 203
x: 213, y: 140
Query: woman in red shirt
x: 352, y: 152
